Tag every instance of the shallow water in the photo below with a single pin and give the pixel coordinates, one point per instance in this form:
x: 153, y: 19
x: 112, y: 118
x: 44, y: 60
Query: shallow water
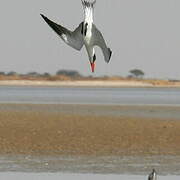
x: 63, y: 95
x: 57, y: 176
x: 132, y: 165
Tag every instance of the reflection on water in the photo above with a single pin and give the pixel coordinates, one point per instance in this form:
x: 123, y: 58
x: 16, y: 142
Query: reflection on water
x: 102, y: 165
x: 153, y: 96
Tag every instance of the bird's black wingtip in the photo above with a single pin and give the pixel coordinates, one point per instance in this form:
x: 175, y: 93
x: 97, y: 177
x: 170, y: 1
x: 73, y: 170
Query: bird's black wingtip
x: 42, y: 16
x: 45, y: 18
x: 110, y: 54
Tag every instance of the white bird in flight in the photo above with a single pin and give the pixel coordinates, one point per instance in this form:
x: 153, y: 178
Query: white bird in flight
x: 85, y: 34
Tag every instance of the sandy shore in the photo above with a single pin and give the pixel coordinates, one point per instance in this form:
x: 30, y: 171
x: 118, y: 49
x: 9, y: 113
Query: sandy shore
x: 76, y: 83
x: 83, y: 83
x: 88, y: 130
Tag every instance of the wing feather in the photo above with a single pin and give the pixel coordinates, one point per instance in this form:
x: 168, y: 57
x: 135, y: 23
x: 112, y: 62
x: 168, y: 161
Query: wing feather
x: 98, y: 40
x: 73, y: 39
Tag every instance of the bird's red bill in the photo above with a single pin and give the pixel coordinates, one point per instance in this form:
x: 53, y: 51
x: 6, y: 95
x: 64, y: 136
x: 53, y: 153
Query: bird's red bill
x: 92, y: 66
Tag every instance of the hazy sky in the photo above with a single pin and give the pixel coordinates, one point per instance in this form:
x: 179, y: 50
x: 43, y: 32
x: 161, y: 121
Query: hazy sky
x: 143, y: 34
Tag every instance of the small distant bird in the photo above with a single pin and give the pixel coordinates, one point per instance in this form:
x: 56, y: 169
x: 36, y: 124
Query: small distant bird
x: 85, y: 34
x: 152, y: 175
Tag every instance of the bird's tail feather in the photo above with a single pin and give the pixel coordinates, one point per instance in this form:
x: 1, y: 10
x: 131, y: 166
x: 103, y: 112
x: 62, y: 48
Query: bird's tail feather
x: 88, y: 7
x: 88, y: 3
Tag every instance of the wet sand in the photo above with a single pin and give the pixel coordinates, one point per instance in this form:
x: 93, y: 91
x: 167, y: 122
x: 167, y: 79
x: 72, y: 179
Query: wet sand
x: 89, y: 130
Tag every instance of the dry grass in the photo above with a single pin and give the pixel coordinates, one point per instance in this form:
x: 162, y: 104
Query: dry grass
x: 153, y: 82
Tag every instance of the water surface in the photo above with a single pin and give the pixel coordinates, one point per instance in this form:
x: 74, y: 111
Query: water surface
x: 86, y: 95
x: 131, y: 165
x: 57, y: 176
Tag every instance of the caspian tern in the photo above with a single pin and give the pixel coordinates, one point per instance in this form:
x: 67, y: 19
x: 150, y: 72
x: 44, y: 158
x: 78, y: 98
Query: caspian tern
x: 85, y: 34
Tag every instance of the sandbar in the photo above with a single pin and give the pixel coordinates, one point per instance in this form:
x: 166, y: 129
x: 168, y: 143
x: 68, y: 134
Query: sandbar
x: 49, y: 129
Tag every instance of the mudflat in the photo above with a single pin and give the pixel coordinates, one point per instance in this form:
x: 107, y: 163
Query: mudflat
x: 89, y: 130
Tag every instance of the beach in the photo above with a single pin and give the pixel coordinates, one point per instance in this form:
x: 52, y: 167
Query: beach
x: 32, y: 129
x: 92, y: 83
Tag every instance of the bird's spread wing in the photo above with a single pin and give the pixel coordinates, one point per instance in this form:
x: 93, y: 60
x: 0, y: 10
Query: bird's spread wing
x: 98, y: 40
x: 73, y: 39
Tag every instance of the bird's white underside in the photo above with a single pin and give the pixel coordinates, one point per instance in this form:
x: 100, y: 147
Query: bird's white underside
x: 88, y: 18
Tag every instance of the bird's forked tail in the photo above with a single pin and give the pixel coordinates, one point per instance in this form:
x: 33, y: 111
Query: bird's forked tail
x: 88, y: 3
x: 88, y: 7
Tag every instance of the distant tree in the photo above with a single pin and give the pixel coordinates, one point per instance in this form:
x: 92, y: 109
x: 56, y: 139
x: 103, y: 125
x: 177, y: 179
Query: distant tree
x: 137, y: 73
x: 2, y: 73
x: 46, y: 74
x: 33, y: 74
x: 12, y: 73
x: 70, y: 73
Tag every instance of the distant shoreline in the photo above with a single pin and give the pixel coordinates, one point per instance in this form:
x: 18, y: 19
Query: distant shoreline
x: 88, y: 83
